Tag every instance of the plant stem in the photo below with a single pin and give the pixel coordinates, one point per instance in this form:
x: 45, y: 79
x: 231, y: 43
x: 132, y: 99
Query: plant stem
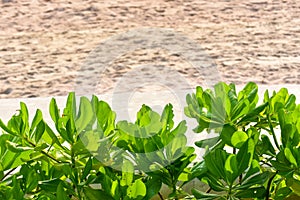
x: 229, y: 191
x: 240, y: 178
x: 272, y: 131
x: 160, y: 196
x: 76, y: 174
x: 208, y: 190
x: 43, y: 152
x: 269, y: 185
x: 8, y: 173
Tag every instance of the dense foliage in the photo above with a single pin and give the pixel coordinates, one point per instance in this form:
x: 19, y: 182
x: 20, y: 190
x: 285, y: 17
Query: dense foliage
x: 253, y: 151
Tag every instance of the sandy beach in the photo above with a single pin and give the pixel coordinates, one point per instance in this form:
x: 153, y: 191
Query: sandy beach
x: 44, y: 43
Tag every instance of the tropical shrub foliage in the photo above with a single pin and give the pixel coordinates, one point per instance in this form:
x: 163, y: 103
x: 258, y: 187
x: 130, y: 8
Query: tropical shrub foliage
x: 252, y: 152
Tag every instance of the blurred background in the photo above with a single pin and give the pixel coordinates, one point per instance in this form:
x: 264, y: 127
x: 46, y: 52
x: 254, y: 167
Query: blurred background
x: 43, y: 43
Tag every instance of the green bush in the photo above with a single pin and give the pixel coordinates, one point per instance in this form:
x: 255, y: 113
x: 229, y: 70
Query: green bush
x: 253, y: 152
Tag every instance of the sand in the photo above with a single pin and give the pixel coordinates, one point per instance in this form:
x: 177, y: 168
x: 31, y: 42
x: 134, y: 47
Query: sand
x: 44, y: 44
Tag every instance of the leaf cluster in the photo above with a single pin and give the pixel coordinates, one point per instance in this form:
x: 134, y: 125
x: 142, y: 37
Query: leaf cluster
x: 85, y: 153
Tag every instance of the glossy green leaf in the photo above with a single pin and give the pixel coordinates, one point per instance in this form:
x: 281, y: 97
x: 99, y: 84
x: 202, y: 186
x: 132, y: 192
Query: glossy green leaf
x: 153, y: 186
x: 240, y: 110
x: 289, y: 156
x: 238, y: 138
x: 245, y: 155
x: 39, y: 131
x: 226, y: 133
x: 54, y: 111
x: 87, y: 168
x: 38, y: 117
x: 249, y: 92
x: 6, y: 129
x: 25, y: 116
x: 254, y: 114
x: 105, y: 117
x: 204, y: 196
x: 213, y: 157
x: 137, y: 189
x: 256, y: 192
x: 71, y: 109
x: 207, y: 142
x: 231, y: 169
x: 256, y: 179
x: 167, y: 118
x: 85, y: 115
x: 265, y: 146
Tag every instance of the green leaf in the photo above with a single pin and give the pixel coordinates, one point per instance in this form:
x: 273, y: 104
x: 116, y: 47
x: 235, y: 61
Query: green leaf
x: 204, y: 196
x: 231, y: 169
x: 39, y: 131
x: 16, y: 191
x: 13, y: 147
x: 87, y: 168
x: 50, y: 184
x: 207, y: 142
x: 253, y: 115
x: 294, y: 184
x: 137, y: 189
x: 6, y: 129
x: 105, y: 117
x: 70, y: 109
x: 257, y: 192
x: 93, y: 194
x: 249, y: 92
x: 32, y: 181
x: 282, y: 193
x: 70, y: 131
x: 175, y: 148
x: 54, y: 111
x: 11, y: 160
x: 215, y: 183
x: 36, y: 120
x: 127, y: 173
x: 227, y: 133
x: 50, y: 137
x: 265, y: 146
x: 245, y: 155
x: 217, y: 156
x: 61, y: 193
x: 240, y: 110
x: 199, y: 170
x: 167, y: 118
x: 239, y: 138
x: 289, y: 156
x: 41, y: 147
x: 256, y: 179
x: 153, y: 185
x: 85, y: 115
x: 254, y: 169
x: 221, y: 91
x: 115, y: 189
x: 24, y: 115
